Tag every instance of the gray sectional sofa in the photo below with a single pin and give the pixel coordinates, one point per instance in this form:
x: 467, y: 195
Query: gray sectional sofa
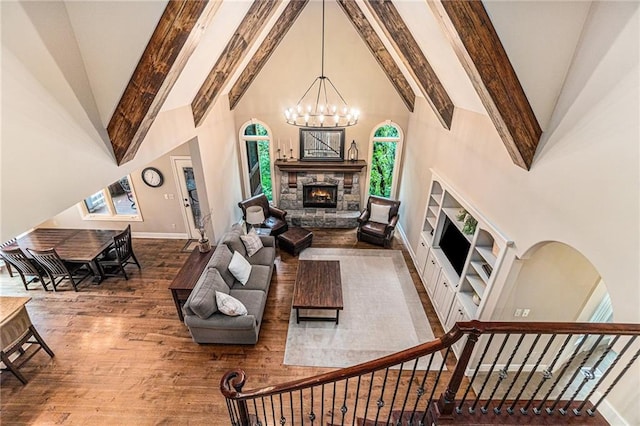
x: 208, y: 325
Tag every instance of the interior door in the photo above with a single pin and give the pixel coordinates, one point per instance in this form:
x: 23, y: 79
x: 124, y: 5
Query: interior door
x: 188, y: 195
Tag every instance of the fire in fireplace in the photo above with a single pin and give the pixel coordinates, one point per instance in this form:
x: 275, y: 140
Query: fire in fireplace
x: 320, y: 196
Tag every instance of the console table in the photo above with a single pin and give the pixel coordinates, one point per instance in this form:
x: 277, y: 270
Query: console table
x: 183, y: 283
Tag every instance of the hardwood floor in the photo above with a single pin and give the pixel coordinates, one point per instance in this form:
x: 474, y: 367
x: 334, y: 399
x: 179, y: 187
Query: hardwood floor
x: 123, y: 356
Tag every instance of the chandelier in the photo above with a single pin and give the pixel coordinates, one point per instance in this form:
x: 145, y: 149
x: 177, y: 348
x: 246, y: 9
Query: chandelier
x: 328, y: 109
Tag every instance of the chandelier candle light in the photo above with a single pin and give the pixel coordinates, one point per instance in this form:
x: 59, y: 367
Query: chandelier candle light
x: 328, y: 111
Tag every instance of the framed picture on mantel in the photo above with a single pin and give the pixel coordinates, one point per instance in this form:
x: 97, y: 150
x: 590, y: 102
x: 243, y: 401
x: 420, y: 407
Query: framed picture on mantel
x: 321, y: 144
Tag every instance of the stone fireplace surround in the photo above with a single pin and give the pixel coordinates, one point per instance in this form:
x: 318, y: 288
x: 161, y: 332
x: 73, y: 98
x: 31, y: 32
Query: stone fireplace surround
x: 345, y: 174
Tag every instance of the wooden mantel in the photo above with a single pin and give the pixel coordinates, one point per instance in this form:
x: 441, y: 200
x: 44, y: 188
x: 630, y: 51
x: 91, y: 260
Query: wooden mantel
x: 347, y: 167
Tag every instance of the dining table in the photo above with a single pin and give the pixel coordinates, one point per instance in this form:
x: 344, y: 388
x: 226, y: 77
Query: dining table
x: 72, y: 245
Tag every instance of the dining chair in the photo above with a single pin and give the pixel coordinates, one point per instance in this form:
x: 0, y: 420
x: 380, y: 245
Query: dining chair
x: 55, y: 267
x: 28, y: 270
x: 11, y: 242
x: 119, y: 254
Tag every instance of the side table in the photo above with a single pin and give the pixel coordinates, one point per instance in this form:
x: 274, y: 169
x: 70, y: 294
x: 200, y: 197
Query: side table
x: 183, y: 283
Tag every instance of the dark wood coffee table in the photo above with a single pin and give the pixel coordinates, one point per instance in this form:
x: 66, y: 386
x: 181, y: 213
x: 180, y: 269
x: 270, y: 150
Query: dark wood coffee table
x: 318, y: 286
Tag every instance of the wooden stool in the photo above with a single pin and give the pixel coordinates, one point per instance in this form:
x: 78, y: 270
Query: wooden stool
x: 295, y: 240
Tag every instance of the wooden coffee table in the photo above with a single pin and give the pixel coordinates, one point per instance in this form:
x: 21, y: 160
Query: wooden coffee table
x: 318, y: 286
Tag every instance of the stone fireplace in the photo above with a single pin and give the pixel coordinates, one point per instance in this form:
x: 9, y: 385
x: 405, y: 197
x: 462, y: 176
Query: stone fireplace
x: 321, y: 194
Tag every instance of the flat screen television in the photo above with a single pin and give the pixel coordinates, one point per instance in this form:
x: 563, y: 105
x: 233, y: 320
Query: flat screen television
x: 454, y: 245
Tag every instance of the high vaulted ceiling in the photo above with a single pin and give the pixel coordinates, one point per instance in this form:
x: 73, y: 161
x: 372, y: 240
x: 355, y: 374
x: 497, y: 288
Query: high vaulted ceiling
x: 539, y: 38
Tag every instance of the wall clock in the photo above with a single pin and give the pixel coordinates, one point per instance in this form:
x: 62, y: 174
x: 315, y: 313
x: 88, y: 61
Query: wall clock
x: 152, y: 177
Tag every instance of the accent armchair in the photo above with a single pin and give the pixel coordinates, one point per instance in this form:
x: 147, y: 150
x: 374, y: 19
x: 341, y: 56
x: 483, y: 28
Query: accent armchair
x: 377, y: 222
x: 274, y: 217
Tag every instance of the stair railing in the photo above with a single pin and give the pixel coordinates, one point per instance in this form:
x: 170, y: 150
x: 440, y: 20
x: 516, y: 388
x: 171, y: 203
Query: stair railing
x: 504, y: 370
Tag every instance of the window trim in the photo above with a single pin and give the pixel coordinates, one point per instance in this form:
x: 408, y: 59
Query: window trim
x: 112, y: 215
x: 242, y: 138
x: 399, y: 151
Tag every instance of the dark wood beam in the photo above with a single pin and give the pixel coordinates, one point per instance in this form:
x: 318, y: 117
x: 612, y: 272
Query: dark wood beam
x: 480, y: 51
x: 407, y: 48
x: 172, y: 43
x: 277, y: 33
x: 379, y: 51
x: 241, y: 41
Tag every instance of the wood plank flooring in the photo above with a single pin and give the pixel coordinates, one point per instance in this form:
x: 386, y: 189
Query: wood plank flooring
x: 123, y: 357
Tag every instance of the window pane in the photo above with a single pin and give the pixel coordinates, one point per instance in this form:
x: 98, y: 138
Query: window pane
x: 265, y: 169
x: 386, y: 131
x: 122, y: 197
x: 96, y: 204
x: 255, y: 130
x: 383, y: 161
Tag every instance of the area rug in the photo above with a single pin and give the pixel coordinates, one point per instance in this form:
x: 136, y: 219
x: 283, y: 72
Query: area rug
x: 382, y: 313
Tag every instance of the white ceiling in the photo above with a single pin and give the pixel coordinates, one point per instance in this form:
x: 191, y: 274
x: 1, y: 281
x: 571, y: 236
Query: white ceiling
x: 539, y: 37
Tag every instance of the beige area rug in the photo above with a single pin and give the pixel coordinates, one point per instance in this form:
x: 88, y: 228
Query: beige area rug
x: 382, y: 313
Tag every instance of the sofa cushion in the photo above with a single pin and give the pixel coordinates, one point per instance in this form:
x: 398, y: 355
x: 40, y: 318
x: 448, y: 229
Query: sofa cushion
x: 229, y: 305
x: 232, y: 240
x: 252, y: 242
x: 220, y: 260
x: 253, y: 300
x: 264, y: 256
x: 202, y: 300
x: 240, y: 268
x: 379, y: 213
x: 259, y: 279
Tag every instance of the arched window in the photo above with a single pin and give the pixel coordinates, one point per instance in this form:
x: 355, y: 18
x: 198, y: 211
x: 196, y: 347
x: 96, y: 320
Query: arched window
x: 257, y: 165
x: 386, y: 152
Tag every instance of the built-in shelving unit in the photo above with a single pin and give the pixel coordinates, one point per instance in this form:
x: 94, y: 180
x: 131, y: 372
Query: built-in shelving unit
x: 433, y: 211
x: 487, y: 247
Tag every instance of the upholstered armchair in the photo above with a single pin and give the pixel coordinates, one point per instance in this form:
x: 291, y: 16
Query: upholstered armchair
x: 274, y: 217
x: 377, y: 222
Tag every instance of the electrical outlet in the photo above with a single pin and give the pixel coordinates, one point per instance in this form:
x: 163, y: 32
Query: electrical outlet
x: 166, y: 196
x: 525, y: 312
x: 171, y: 196
x: 173, y: 226
x: 517, y: 313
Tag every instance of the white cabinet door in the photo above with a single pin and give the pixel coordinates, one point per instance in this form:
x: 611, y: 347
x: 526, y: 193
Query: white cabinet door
x: 443, y: 297
x: 421, y: 256
x: 430, y: 275
x: 457, y: 314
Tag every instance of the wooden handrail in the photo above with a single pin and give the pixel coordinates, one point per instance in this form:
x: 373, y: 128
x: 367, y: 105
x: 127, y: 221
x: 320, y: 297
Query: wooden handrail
x: 232, y: 382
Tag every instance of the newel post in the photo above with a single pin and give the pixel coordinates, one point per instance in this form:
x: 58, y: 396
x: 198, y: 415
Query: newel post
x: 231, y: 385
x: 447, y: 400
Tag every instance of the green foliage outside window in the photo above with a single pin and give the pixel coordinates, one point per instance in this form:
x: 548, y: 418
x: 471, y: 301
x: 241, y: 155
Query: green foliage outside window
x: 383, y: 160
x: 265, y: 168
x: 255, y: 130
x: 386, y: 131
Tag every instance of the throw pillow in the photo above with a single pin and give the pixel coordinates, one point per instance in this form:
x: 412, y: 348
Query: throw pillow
x: 252, y: 242
x: 202, y: 300
x: 229, y: 305
x: 240, y: 268
x: 379, y: 213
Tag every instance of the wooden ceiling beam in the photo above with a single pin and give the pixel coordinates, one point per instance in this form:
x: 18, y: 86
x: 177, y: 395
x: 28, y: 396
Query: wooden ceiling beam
x: 172, y: 43
x: 481, y: 53
x: 243, y: 38
x: 379, y: 51
x: 411, y: 55
x: 262, y: 55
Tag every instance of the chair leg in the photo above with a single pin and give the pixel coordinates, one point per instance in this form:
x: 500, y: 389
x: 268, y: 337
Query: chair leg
x: 41, y: 341
x: 9, y: 270
x: 135, y: 260
x: 11, y: 367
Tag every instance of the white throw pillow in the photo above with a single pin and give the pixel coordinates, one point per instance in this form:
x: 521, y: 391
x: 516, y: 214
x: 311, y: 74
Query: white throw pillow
x: 229, y: 305
x: 252, y: 242
x: 240, y: 268
x: 379, y: 213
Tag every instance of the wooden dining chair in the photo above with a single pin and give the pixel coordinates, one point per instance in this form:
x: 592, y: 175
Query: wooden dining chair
x: 28, y: 270
x: 119, y: 254
x: 9, y: 243
x: 55, y: 267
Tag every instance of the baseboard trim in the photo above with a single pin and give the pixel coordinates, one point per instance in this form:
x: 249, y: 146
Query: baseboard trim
x: 405, y: 241
x: 161, y: 235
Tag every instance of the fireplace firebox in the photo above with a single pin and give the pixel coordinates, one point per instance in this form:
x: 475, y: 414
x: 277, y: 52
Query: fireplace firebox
x: 316, y: 195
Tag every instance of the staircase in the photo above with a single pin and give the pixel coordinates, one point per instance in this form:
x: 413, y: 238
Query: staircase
x: 533, y: 373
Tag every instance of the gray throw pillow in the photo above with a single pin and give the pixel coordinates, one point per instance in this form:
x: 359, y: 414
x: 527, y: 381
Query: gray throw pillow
x: 202, y: 300
x: 220, y: 261
x: 232, y: 240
